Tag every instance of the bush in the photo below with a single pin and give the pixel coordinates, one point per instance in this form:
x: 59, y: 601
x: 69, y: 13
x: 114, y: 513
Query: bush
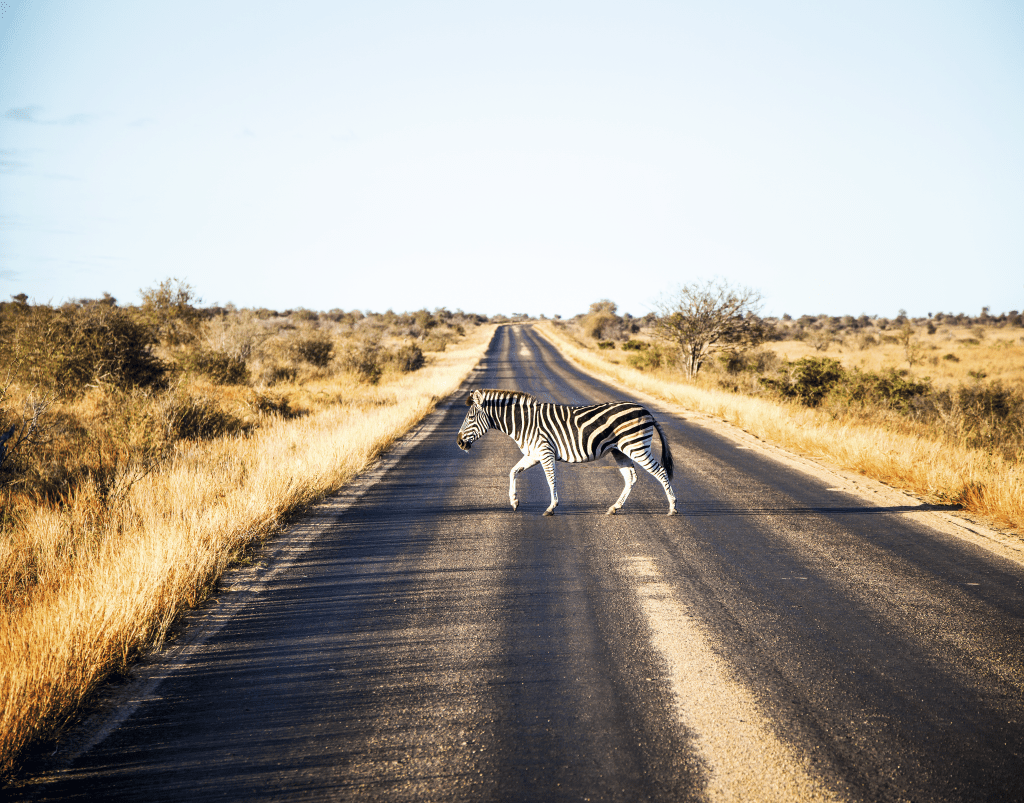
x: 168, y: 308
x: 602, y: 323
x: 605, y: 344
x: 809, y: 380
x: 889, y: 389
x: 982, y: 416
x: 188, y: 417
x: 407, y: 358
x: 316, y: 349
x: 240, y: 335
x: 20, y: 432
x: 365, y: 360
x: 217, y: 367
x: 264, y: 403
x: 67, y: 349
x: 647, y: 359
x: 436, y: 341
x: 272, y: 373
x: 759, y: 362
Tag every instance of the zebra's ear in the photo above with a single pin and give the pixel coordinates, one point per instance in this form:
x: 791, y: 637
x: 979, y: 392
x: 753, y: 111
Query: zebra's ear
x: 469, y: 400
x: 474, y: 398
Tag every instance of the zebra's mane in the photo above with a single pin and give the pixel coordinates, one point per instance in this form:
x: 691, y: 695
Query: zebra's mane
x: 497, y: 396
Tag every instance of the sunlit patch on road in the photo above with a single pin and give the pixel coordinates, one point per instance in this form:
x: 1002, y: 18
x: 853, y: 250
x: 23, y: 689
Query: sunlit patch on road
x: 746, y: 760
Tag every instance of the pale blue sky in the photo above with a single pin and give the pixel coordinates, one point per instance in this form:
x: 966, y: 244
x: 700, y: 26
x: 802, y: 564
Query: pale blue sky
x: 842, y: 157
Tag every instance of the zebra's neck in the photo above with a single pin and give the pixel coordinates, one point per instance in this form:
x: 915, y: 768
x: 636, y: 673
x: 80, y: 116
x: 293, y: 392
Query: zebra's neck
x: 511, y: 412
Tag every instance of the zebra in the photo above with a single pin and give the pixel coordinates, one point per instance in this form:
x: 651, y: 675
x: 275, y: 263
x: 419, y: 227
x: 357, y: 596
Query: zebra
x: 549, y: 432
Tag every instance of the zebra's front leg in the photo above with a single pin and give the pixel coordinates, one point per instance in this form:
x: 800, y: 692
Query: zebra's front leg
x: 522, y: 465
x: 628, y: 477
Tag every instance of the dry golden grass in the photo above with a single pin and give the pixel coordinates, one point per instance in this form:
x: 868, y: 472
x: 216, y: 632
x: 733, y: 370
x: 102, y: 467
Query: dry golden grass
x: 995, y: 352
x: 100, y: 583
x: 982, y: 483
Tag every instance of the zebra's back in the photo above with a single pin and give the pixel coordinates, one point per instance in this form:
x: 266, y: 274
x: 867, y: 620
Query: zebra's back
x: 582, y: 434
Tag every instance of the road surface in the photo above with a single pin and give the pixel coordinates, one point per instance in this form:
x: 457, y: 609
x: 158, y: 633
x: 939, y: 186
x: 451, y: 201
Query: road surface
x: 778, y: 640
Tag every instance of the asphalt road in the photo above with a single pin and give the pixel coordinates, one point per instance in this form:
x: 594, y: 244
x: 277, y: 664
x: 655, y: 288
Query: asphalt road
x: 777, y: 640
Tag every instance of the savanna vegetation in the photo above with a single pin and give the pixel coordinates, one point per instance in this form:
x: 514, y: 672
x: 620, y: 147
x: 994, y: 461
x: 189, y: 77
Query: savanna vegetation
x: 934, y: 405
x: 144, y: 448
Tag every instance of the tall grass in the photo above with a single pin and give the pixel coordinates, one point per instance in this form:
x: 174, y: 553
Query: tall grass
x: 95, y: 580
x: 898, y: 453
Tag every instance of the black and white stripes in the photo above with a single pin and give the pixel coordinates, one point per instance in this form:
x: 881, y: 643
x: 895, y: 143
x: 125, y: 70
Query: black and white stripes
x: 549, y: 432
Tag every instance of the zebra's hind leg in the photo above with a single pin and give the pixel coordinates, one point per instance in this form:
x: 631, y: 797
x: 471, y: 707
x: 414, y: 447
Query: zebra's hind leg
x: 629, y: 479
x: 522, y: 465
x: 650, y: 464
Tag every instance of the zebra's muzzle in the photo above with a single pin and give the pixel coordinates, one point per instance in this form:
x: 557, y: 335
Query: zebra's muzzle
x: 463, y: 443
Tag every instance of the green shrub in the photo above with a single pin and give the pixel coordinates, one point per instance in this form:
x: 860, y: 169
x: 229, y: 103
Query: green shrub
x: 647, y: 359
x: 605, y: 344
x: 889, y: 389
x: 809, y: 380
x: 634, y: 345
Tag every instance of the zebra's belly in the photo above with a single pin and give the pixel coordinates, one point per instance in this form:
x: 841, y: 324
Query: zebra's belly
x: 574, y: 459
x: 566, y: 455
x: 562, y: 454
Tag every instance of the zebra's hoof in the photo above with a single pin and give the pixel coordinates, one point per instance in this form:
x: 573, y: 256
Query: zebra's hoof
x: 549, y: 513
x: 672, y: 512
x: 612, y: 511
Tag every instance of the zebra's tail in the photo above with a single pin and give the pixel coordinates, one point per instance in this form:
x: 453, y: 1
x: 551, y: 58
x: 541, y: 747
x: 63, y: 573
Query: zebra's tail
x: 666, y: 452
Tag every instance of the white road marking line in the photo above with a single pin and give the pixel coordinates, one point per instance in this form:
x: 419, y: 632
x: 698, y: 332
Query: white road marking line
x: 745, y: 759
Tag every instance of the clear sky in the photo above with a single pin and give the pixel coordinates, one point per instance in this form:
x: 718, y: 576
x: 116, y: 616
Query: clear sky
x: 842, y: 157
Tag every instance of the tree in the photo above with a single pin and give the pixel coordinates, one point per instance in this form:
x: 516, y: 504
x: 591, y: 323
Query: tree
x: 602, y: 322
x: 702, y: 318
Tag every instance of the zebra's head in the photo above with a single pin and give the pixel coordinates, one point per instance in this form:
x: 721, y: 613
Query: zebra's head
x: 476, y: 424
